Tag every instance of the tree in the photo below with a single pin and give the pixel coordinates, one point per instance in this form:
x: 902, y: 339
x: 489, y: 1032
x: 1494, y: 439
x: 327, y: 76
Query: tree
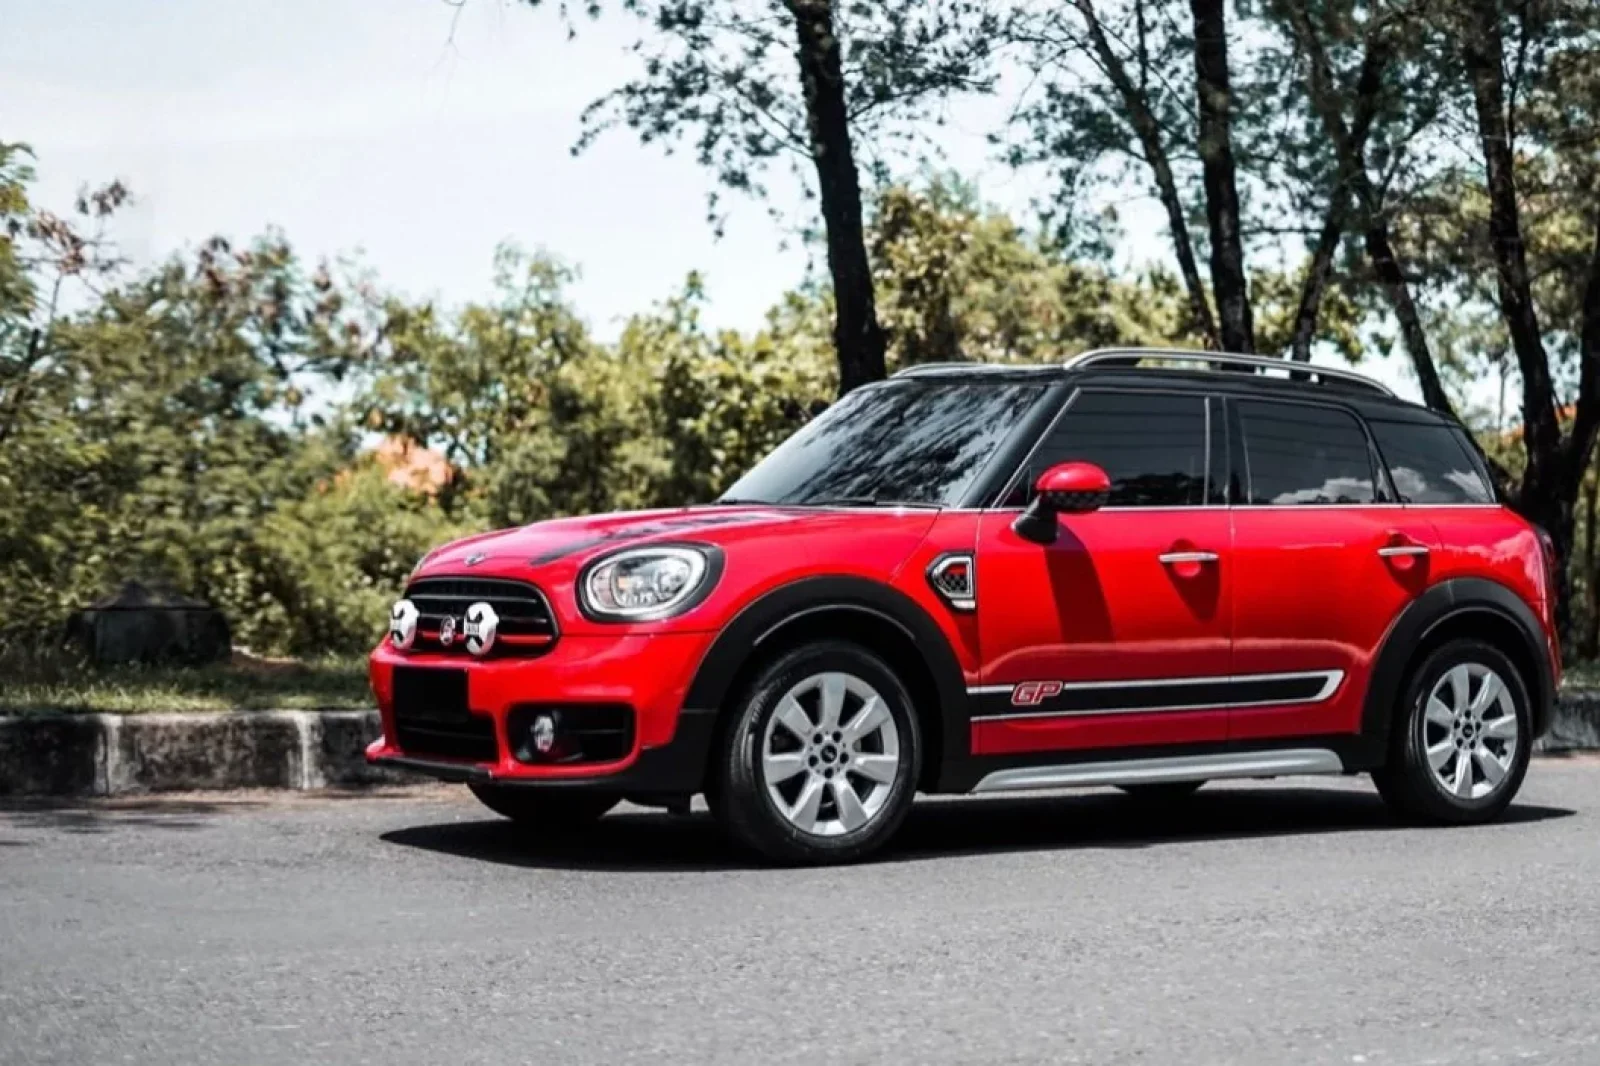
x: 957, y: 280
x: 1258, y: 144
x: 817, y: 82
x: 1378, y: 110
x: 1549, y: 80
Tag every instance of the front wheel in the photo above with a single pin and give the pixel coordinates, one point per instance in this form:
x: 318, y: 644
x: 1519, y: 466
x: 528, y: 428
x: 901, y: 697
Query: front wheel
x: 820, y: 761
x: 549, y: 810
x: 1460, y: 753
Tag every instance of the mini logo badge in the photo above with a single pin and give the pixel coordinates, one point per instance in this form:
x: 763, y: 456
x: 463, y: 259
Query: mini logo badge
x: 475, y: 558
x: 447, y: 631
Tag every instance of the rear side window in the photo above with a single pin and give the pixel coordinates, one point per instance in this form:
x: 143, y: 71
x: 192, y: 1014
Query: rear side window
x: 1298, y: 454
x: 1430, y: 464
x: 1151, y: 445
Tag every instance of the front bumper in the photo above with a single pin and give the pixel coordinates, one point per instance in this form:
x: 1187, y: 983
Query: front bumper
x: 648, y: 673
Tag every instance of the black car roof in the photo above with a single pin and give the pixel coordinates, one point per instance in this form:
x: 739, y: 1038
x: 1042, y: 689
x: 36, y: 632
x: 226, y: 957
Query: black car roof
x: 1119, y: 367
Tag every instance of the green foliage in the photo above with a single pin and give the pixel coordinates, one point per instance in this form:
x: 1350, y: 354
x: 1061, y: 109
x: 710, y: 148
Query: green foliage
x: 723, y: 402
x: 166, y: 434
x: 957, y: 281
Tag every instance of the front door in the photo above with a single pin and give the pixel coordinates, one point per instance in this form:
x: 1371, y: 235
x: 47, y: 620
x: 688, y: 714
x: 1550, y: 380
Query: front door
x: 1118, y: 633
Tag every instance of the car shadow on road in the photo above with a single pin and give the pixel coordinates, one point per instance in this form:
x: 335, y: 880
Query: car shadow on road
x: 942, y: 828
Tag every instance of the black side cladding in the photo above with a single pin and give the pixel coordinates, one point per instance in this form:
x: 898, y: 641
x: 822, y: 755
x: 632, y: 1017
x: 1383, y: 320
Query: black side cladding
x: 1447, y: 602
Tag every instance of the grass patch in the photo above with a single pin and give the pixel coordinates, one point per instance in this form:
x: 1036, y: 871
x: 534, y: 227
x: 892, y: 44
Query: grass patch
x: 61, y: 684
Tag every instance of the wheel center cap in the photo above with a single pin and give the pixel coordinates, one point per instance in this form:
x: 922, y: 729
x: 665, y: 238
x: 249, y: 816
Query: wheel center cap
x: 829, y: 753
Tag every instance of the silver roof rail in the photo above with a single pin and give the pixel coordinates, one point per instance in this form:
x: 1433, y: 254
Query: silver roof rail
x: 1255, y: 362
x: 915, y: 368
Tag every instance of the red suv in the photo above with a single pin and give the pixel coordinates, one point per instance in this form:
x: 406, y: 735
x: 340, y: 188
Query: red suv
x: 981, y: 578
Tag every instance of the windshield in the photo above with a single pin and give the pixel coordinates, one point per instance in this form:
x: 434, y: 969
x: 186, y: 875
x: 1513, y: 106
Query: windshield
x: 914, y: 441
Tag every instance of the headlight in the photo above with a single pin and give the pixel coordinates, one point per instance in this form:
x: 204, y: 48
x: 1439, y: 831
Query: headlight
x: 647, y: 583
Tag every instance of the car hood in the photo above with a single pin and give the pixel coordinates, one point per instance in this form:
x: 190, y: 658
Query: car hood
x: 573, y: 541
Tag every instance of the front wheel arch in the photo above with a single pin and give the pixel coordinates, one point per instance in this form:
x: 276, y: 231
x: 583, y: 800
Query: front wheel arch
x: 880, y: 618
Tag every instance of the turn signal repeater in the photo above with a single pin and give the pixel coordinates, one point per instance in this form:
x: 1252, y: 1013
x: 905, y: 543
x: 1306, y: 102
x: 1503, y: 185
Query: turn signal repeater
x: 954, y: 577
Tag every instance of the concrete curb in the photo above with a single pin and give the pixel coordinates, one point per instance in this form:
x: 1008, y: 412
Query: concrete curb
x: 122, y: 754
x: 117, y: 754
x: 1575, y: 726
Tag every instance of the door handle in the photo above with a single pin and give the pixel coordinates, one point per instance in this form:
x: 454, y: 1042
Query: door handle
x: 1394, y: 551
x: 1176, y: 558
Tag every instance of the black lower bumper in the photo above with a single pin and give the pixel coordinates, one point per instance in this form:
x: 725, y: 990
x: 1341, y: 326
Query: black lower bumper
x: 677, y: 768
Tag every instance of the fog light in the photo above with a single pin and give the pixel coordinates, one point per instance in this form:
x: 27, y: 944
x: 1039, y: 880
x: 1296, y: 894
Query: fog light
x: 543, y: 733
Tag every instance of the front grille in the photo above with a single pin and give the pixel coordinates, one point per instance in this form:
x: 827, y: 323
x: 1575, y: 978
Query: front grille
x: 527, y: 625
x: 431, y: 716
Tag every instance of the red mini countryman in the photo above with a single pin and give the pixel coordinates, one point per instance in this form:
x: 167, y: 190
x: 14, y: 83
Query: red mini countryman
x: 980, y: 578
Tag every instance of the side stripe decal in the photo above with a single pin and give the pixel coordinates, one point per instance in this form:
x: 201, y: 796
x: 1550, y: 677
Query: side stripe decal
x: 1052, y: 699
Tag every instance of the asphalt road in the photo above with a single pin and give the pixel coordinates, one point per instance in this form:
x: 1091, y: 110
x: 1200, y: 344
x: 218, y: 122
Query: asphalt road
x: 1284, y: 922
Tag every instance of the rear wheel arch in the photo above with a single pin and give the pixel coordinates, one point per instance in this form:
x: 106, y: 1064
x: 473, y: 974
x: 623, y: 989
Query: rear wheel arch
x: 859, y: 610
x: 1472, y: 608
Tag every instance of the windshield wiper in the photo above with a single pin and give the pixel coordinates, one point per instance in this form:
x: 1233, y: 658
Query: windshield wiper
x: 866, y: 501
x: 739, y: 501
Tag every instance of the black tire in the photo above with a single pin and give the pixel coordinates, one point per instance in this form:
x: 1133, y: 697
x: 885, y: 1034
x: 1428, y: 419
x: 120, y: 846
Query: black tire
x: 1164, y: 792
x: 549, y: 809
x: 739, y: 796
x: 1408, y: 783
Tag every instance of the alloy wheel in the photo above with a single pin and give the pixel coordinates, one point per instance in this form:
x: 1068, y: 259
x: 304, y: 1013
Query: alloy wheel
x: 830, y: 754
x: 1470, y: 731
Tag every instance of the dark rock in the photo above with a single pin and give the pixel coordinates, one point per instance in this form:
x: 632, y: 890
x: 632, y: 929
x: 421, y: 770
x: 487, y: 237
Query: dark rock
x: 150, y: 625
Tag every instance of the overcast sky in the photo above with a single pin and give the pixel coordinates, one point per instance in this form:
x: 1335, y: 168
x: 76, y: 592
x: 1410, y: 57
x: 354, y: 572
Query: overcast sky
x: 363, y: 125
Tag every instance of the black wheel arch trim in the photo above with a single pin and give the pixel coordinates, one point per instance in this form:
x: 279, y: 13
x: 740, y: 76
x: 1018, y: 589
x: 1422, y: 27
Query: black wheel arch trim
x: 1446, y: 602
x: 763, y: 618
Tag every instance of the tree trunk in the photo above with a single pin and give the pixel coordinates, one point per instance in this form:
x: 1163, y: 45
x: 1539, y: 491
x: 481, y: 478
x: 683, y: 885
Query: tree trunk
x: 857, y: 336
x: 1482, y: 50
x: 1589, y: 644
x: 1350, y: 147
x: 1148, y: 130
x: 1228, y: 282
x: 1380, y: 252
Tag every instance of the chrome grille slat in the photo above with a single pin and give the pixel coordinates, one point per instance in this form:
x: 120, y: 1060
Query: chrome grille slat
x: 527, y: 623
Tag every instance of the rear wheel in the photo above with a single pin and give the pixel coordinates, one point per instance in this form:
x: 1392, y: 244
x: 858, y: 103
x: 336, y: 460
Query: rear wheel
x: 820, y: 761
x: 547, y: 809
x: 1164, y: 792
x: 1461, y: 750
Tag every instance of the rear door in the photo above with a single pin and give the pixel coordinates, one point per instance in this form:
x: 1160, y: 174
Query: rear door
x: 1117, y: 633
x: 1324, y: 557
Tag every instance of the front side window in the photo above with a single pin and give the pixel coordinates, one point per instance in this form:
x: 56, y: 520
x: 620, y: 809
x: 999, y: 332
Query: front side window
x: 913, y: 441
x: 1299, y: 454
x: 1153, y: 446
x: 1429, y: 463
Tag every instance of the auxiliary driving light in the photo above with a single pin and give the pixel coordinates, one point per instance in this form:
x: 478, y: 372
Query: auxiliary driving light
x: 543, y: 733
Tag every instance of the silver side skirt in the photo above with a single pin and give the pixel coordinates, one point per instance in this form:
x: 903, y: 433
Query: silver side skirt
x: 1157, y: 771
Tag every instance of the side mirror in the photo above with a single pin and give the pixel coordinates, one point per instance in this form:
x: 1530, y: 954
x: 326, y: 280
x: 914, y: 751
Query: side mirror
x: 1066, y: 488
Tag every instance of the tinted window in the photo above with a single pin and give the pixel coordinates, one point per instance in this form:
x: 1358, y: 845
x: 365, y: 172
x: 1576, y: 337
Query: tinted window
x: 1153, y: 447
x: 908, y: 441
x: 1430, y: 464
x: 1296, y: 454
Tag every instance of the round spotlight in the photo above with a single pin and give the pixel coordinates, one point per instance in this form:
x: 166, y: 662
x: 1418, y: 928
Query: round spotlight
x: 543, y: 733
